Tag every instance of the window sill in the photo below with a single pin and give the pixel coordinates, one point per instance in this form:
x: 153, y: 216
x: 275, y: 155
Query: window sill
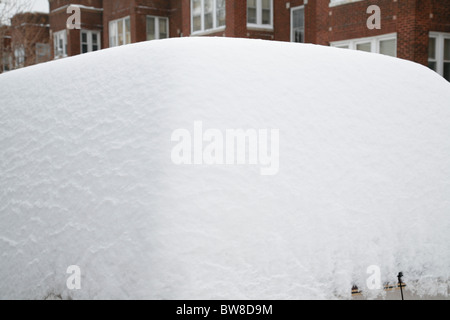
x: 342, y: 2
x: 207, y: 32
x: 259, y: 27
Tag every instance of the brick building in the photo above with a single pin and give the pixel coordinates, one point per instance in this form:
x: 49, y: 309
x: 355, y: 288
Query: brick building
x: 417, y: 30
x: 5, y: 49
x: 30, y: 39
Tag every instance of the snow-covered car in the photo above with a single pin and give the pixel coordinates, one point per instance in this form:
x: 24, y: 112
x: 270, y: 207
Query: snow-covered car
x: 200, y: 168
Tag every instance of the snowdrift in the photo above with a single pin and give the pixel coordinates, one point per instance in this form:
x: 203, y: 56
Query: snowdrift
x: 87, y: 178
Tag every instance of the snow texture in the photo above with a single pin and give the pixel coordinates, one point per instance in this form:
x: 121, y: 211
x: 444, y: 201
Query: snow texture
x: 86, y: 176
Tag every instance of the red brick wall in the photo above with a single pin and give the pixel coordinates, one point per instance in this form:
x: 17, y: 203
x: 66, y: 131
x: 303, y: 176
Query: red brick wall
x: 28, y: 29
x: 160, y: 8
x: 411, y: 19
x: 90, y: 19
x: 116, y: 9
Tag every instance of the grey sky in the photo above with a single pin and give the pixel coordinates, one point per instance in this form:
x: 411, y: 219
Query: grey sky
x: 40, y: 5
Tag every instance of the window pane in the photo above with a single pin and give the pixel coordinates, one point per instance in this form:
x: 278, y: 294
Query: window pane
x: 342, y: 47
x: 388, y: 47
x: 432, y: 48
x: 94, y: 38
x: 151, y: 32
x: 364, y: 47
x: 447, y: 49
x: 127, y: 31
x: 447, y: 71
x: 432, y: 65
x: 94, y: 47
x: 162, y: 28
x: 298, y: 18
x: 120, y: 32
x: 298, y: 36
x: 112, y: 34
x: 220, y: 13
x: 84, y: 37
x: 84, y: 48
x: 196, y: 15
x: 208, y: 14
x: 266, y: 12
x: 251, y: 11
x: 197, y: 23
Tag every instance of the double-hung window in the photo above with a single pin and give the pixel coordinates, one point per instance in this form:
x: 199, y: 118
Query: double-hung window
x: 439, y: 53
x: 385, y: 44
x: 207, y: 15
x: 298, y: 24
x: 90, y: 41
x: 60, y: 44
x: 260, y: 13
x: 119, y: 32
x: 19, y: 55
x: 157, y: 28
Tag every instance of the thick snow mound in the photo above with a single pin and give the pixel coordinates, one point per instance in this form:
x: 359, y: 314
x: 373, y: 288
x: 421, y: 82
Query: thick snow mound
x: 87, y: 177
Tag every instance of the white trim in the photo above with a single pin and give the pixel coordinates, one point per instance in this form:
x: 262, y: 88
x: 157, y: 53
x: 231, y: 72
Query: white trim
x: 374, y: 42
x: 57, y: 36
x: 215, y: 22
x: 440, y: 38
x: 341, y: 2
x: 259, y: 24
x: 210, y: 31
x: 157, y: 31
x: 124, y: 33
x: 90, y: 45
x: 292, y: 21
x: 76, y: 5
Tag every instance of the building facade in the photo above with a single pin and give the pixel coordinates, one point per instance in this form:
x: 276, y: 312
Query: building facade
x: 416, y: 30
x: 26, y: 41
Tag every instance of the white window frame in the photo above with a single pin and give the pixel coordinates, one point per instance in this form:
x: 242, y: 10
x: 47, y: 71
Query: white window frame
x: 57, y: 36
x: 440, y: 37
x: 259, y: 24
x: 374, y: 42
x: 124, y: 35
x: 89, y: 40
x: 7, y: 62
x: 19, y: 56
x: 202, y: 30
x: 292, y: 22
x: 335, y: 3
x: 157, y: 33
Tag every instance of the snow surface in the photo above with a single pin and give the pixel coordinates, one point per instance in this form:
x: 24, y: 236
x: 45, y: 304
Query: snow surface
x: 86, y: 176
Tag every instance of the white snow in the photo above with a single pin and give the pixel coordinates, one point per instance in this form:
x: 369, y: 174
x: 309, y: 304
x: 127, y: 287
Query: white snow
x: 86, y: 176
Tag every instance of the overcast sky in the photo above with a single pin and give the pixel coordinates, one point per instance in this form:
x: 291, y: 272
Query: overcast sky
x: 40, y: 5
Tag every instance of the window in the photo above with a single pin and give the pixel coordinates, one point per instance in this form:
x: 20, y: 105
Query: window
x: 90, y: 41
x: 207, y: 15
x: 259, y: 13
x: 42, y: 52
x: 298, y: 24
x: 7, y: 62
x: 157, y: 28
x: 388, y: 47
x: 439, y: 53
x: 19, y: 56
x: 119, y: 32
x: 60, y: 44
x: 367, y: 47
x: 385, y: 44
